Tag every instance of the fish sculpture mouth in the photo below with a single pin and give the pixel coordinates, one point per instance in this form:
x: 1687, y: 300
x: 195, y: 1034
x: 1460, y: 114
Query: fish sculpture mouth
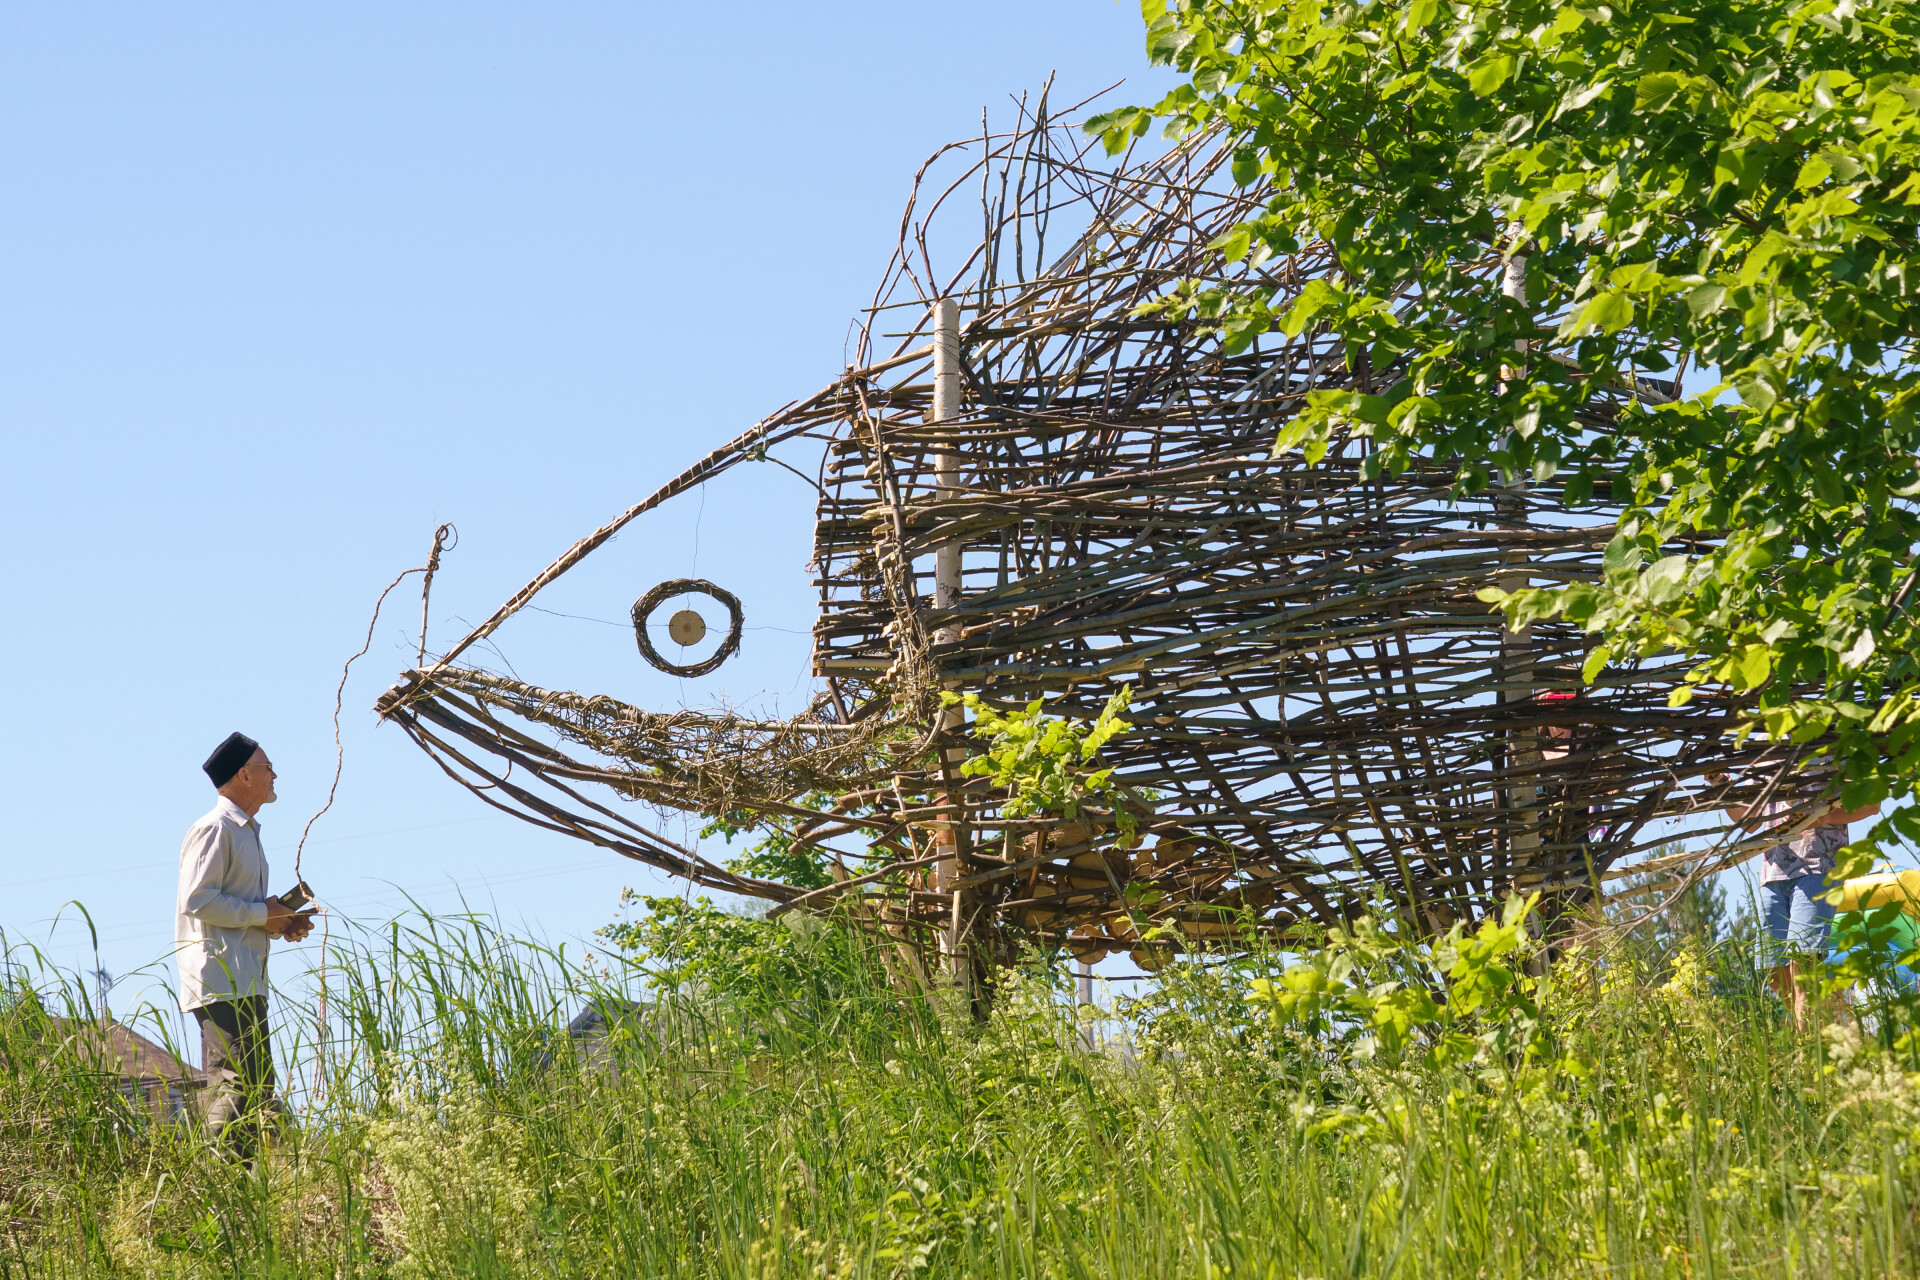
x: 1092, y: 501
x: 474, y: 724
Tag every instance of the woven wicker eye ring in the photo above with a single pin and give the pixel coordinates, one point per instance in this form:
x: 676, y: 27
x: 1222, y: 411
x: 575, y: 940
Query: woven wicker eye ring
x: 643, y: 610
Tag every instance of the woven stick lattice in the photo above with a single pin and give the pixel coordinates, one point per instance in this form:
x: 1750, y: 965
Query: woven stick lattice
x: 1325, y: 711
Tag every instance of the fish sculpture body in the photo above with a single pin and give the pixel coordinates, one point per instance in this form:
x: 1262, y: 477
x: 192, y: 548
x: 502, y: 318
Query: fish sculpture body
x: 1050, y: 490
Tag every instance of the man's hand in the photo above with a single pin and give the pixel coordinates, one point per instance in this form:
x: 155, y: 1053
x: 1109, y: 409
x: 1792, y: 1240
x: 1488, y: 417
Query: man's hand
x: 290, y: 925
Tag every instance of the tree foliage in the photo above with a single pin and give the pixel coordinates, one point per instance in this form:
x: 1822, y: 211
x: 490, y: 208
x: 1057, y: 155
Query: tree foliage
x: 1049, y: 763
x: 1726, y: 186
x: 692, y: 946
x: 776, y: 855
x: 1372, y: 988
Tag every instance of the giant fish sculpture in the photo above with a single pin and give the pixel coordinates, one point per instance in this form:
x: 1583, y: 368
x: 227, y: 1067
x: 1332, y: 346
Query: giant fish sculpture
x: 1044, y: 492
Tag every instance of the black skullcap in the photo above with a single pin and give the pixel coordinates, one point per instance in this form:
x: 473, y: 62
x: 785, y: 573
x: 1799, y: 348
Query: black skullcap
x: 229, y: 758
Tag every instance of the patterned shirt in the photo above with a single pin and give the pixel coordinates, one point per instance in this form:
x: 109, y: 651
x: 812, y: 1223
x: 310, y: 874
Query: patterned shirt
x: 1808, y: 854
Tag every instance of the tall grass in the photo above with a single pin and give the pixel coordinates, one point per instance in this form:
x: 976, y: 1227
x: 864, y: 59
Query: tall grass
x: 841, y: 1128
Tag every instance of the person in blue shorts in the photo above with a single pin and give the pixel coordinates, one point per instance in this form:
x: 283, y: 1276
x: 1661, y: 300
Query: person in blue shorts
x: 1793, y: 885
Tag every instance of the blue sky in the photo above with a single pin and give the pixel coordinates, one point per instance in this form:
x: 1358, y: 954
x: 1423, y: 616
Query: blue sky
x: 283, y: 288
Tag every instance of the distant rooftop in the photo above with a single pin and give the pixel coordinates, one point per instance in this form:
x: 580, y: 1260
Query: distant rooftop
x: 149, y: 1075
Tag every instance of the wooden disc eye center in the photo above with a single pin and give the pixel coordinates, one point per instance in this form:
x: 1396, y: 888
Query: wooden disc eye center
x: 687, y: 627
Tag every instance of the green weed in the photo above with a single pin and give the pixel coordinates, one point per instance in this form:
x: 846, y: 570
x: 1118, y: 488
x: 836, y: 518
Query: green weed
x: 1376, y: 1107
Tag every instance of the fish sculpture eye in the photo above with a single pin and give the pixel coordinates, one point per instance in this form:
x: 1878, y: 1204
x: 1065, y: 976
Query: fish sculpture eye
x: 686, y: 626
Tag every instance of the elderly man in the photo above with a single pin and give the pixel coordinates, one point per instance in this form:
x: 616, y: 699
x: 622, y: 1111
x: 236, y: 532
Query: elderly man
x: 223, y: 920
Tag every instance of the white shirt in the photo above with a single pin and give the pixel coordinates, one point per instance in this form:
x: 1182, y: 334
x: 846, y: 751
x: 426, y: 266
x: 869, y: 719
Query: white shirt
x: 220, y: 920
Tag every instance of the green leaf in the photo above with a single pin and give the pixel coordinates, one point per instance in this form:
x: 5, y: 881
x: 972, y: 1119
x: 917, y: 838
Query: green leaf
x: 1812, y: 174
x: 1318, y: 297
x: 1166, y: 37
x: 1657, y: 92
x: 1488, y: 74
x: 1246, y: 166
x: 1666, y: 579
x: 1596, y: 663
x: 1581, y: 95
x: 1579, y: 601
x: 1894, y: 711
x: 1628, y: 275
x: 1754, y: 666
x: 1116, y: 129
x: 1860, y: 650
x: 1733, y: 166
x: 1704, y: 300
x: 1233, y: 244
x: 1608, y: 312
x: 1567, y: 20
x: 1771, y: 246
x: 1754, y: 391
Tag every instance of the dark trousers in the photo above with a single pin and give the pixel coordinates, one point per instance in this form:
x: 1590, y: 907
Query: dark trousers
x: 238, y: 1060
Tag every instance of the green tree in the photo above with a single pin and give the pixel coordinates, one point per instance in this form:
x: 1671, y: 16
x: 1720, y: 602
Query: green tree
x: 694, y: 947
x: 691, y: 945
x: 777, y: 855
x: 1727, y: 185
x: 1051, y: 764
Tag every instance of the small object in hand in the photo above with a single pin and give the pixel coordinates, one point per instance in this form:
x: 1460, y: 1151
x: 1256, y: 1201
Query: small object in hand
x: 301, y: 922
x: 687, y: 627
